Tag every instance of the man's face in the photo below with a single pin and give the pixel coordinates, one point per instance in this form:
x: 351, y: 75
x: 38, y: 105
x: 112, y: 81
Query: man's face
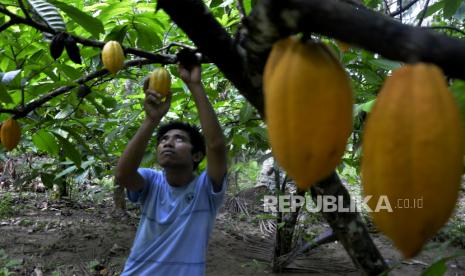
x: 175, y: 149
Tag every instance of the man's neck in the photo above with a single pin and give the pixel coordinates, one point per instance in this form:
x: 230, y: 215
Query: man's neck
x: 179, y: 178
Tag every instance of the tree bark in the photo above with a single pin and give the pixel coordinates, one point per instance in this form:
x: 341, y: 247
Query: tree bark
x: 349, y: 227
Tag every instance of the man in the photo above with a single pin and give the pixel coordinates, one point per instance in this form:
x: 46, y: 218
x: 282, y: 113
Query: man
x: 178, y: 206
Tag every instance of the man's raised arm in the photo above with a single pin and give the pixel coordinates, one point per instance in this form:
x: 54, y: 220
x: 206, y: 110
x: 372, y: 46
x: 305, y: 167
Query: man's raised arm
x: 214, y: 138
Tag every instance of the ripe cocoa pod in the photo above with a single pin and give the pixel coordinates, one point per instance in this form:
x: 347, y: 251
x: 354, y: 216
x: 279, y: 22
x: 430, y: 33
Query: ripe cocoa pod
x: 112, y: 56
x: 10, y: 134
x: 413, y: 152
x: 308, y: 109
x: 160, y: 81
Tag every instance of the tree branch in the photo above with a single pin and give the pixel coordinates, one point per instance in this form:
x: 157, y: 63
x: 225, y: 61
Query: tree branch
x: 240, y: 8
x: 447, y: 28
x: 21, y: 20
x: 215, y: 43
x: 21, y: 111
x: 5, y: 25
x: 423, y: 13
x: 23, y: 8
x: 403, y: 9
x: 368, y: 29
x: 349, y: 227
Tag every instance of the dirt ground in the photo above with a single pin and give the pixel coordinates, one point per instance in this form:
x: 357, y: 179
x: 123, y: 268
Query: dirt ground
x: 69, y: 238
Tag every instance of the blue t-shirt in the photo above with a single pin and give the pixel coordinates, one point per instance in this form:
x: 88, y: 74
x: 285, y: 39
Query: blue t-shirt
x: 174, y: 227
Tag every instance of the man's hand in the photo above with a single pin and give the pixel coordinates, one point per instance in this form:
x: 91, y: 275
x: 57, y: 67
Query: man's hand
x: 191, y: 77
x: 154, y: 105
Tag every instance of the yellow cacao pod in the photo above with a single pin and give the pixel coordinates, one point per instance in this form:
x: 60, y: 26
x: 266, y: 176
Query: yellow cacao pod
x: 308, y: 109
x: 10, y: 134
x: 413, y: 155
x: 112, y: 56
x: 160, y: 81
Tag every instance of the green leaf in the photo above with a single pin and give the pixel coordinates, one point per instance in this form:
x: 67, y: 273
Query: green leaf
x: 439, y: 267
x: 371, y: 77
x: 118, y: 33
x: 108, y: 102
x: 460, y: 14
x: 68, y: 170
x: 49, y: 14
x: 246, y: 112
x: 114, y: 11
x: 4, y: 96
x: 88, y: 22
x: 146, y: 38
x: 431, y: 9
x: 72, y: 130
x: 368, y: 105
x: 261, y: 132
x: 99, y: 107
x: 69, y: 150
x: 47, y: 179
x: 46, y: 142
x: 8, y: 77
x: 71, y: 72
x: 385, y: 64
x: 450, y: 7
x: 239, y: 140
x: 247, y: 6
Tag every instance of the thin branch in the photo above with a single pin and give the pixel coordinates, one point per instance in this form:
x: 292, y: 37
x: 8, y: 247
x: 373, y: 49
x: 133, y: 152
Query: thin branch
x: 172, y: 44
x: 388, y: 12
x: 404, y: 8
x: 423, y: 13
x: 22, y: 111
x: 23, y: 8
x: 271, y: 20
x: 4, y: 26
x: 447, y: 28
x: 400, y: 8
x: 240, y: 7
x: 84, y: 41
x: 21, y: 20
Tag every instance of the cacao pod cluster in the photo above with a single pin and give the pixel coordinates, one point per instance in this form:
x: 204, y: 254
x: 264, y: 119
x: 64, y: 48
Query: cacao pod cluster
x: 413, y: 147
x: 413, y: 141
x: 160, y: 81
x: 113, y: 56
x: 10, y: 134
x: 63, y: 41
x: 308, y: 109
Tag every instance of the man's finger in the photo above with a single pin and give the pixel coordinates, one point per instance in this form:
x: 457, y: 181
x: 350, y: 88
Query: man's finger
x: 153, y: 93
x: 153, y: 100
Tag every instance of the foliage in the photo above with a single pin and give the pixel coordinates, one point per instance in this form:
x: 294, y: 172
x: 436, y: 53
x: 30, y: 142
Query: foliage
x: 6, y: 206
x: 85, y: 135
x: 6, y: 263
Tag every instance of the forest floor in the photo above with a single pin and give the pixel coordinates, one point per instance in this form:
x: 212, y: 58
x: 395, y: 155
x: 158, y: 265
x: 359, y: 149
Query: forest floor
x: 66, y: 237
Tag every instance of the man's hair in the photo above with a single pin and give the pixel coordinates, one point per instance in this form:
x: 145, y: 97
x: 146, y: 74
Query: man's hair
x: 196, y: 138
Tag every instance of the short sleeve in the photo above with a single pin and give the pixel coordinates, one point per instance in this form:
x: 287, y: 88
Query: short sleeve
x: 150, y: 177
x: 216, y: 197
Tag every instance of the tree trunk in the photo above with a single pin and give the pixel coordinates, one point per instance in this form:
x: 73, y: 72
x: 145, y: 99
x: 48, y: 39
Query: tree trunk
x: 119, y: 197
x: 349, y: 227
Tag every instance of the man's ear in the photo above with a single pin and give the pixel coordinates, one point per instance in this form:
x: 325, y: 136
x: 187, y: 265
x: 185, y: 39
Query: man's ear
x: 197, y: 157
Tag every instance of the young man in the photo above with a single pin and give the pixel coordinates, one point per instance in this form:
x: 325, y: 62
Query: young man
x: 178, y: 206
